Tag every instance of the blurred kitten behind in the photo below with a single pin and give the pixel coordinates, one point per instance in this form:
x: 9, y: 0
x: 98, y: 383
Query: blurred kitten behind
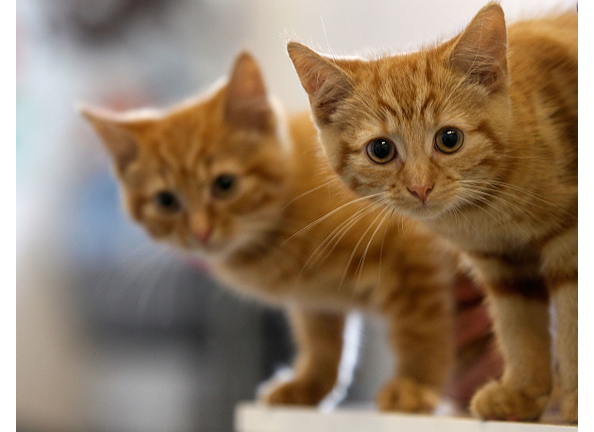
x: 225, y: 178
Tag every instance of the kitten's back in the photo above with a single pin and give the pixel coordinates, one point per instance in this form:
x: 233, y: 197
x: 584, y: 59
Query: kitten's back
x: 543, y: 60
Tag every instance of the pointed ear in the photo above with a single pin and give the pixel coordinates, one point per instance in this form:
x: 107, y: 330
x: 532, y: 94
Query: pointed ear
x: 481, y: 49
x: 116, y: 132
x: 246, y: 104
x: 325, y: 83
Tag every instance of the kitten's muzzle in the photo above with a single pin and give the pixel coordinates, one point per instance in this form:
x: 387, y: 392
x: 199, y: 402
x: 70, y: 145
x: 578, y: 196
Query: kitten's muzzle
x: 203, y: 236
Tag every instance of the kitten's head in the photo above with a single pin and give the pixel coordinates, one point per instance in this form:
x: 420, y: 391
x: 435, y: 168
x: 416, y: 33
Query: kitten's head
x: 208, y: 175
x: 420, y: 131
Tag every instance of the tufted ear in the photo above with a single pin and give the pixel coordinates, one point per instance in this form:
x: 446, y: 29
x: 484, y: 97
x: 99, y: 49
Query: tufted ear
x: 246, y: 104
x: 118, y: 132
x: 481, y: 49
x: 325, y: 83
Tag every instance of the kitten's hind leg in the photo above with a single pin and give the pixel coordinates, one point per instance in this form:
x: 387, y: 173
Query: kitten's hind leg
x: 319, y: 341
x: 521, y: 325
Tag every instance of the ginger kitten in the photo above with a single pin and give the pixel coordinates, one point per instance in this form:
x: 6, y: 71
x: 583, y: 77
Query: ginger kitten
x: 224, y: 177
x: 477, y: 137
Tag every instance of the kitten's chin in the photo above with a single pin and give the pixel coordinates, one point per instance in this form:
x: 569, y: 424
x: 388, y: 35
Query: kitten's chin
x: 423, y: 213
x: 427, y: 211
x: 211, y: 253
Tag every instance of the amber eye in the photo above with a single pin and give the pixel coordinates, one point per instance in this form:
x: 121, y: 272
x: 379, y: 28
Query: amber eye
x: 449, y: 139
x: 381, y: 150
x: 224, y: 186
x: 167, y: 201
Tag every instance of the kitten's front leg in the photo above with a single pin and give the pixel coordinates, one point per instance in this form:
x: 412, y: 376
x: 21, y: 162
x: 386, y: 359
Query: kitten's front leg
x: 421, y: 332
x: 521, y: 326
x: 560, y: 266
x: 319, y: 340
x: 565, y: 299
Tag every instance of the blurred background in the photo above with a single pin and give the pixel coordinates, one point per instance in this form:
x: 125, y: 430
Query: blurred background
x: 115, y: 333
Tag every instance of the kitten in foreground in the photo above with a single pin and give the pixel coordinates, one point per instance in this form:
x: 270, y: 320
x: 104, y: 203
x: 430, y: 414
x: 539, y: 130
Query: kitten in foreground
x: 221, y: 178
x: 477, y: 137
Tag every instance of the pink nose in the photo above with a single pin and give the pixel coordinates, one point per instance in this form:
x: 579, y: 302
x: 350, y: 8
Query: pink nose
x: 203, y: 236
x: 421, y: 191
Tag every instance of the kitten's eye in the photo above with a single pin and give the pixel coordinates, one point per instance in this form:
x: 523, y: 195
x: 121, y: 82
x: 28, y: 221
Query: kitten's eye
x: 449, y: 140
x: 167, y: 200
x: 224, y: 186
x: 381, y: 150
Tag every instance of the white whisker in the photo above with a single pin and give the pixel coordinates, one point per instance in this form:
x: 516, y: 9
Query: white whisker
x: 327, y: 215
x: 332, y: 240
x: 342, y: 279
x: 384, y: 214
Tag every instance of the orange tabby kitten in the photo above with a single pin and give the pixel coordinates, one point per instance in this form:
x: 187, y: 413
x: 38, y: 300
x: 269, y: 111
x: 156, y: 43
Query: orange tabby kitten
x: 220, y: 177
x: 477, y: 137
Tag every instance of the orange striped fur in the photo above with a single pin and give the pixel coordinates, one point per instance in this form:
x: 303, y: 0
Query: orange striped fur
x: 502, y: 185
x: 288, y: 232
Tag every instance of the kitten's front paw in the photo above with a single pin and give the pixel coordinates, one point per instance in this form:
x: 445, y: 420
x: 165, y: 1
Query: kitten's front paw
x: 496, y: 401
x: 298, y: 392
x: 406, y: 394
x: 569, y: 406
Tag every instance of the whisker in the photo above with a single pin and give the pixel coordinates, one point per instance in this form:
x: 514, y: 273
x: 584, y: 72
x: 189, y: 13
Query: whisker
x: 327, y: 215
x: 505, y: 201
x: 325, y: 184
x: 134, y: 271
x: 383, y: 213
x: 342, y: 279
x: 518, y: 189
x: 336, y: 235
x: 379, y: 268
x: 469, y: 201
x: 458, y: 212
x: 498, y: 211
x: 156, y: 274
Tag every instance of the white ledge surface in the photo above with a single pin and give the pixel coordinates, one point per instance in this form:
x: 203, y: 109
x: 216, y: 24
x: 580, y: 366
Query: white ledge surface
x: 254, y: 417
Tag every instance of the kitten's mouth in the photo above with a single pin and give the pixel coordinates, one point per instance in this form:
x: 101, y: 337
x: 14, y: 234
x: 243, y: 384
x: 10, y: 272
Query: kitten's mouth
x: 211, y: 247
x: 429, y: 209
x: 209, y: 251
x: 204, y: 246
x: 425, y: 211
